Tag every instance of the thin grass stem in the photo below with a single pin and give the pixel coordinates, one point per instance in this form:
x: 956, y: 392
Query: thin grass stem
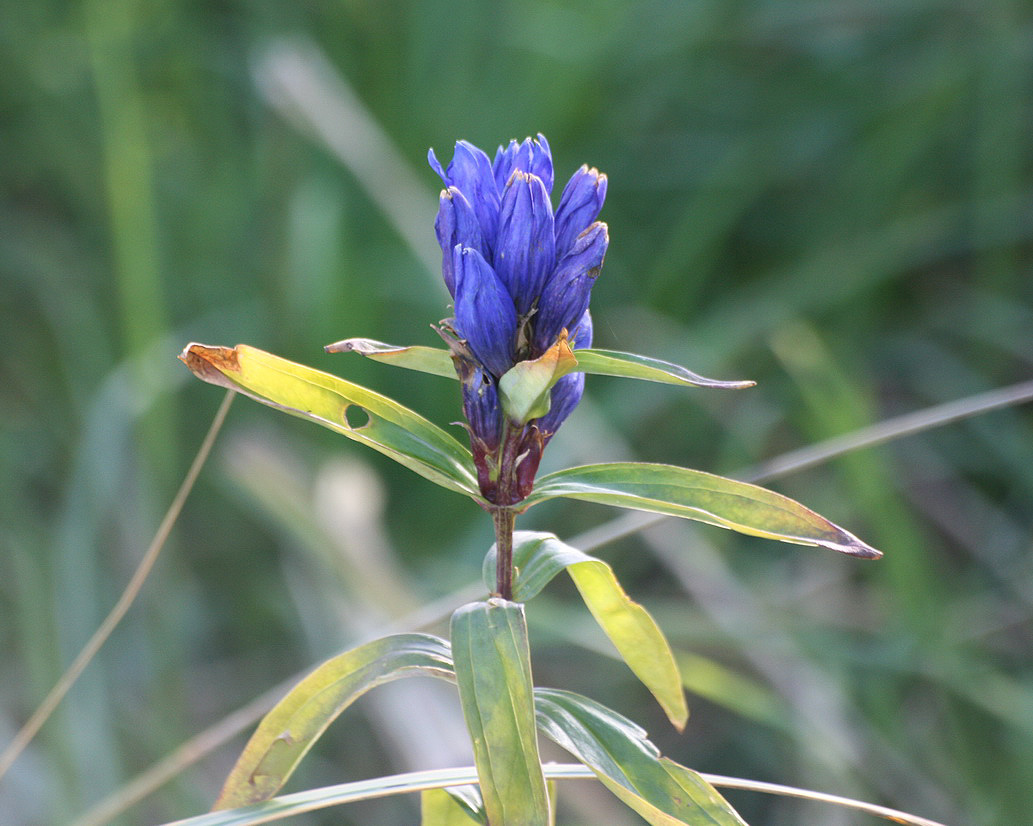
x: 132, y: 590
x: 315, y: 799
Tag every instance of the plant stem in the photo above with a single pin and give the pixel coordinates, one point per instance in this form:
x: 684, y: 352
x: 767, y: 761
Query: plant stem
x: 502, y: 514
x: 504, y: 520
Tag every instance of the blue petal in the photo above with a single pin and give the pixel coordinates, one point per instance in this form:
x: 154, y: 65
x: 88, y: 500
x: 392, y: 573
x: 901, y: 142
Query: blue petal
x: 481, y: 407
x: 580, y: 203
x: 565, y: 397
x: 456, y: 223
x: 435, y: 164
x: 581, y: 335
x: 484, y: 313
x: 566, y: 295
x: 542, y: 163
x: 532, y: 156
x: 470, y: 172
x: 502, y: 166
x: 525, y: 250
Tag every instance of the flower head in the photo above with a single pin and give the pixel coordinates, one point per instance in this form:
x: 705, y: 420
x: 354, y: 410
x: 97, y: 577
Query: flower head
x: 520, y: 274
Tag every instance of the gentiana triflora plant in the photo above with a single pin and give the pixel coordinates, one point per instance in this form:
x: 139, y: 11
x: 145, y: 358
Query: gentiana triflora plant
x: 519, y: 342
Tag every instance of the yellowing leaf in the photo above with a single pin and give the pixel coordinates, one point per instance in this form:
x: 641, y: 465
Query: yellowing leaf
x: 294, y: 724
x: 628, y: 764
x: 431, y: 360
x: 493, y: 672
x: 390, y: 428
x: 693, y: 494
x: 458, y: 806
x: 538, y: 557
x: 634, y: 366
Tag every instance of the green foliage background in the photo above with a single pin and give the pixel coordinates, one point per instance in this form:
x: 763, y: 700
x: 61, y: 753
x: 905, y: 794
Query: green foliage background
x: 832, y: 198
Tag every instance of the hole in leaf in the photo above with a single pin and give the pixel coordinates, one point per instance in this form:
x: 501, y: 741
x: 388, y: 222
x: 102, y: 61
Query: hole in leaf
x: 356, y: 417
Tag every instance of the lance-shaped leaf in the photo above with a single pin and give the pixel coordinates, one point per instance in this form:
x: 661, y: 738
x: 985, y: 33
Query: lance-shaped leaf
x: 493, y: 671
x: 628, y: 764
x: 538, y: 557
x: 693, y: 494
x: 432, y: 360
x: 457, y: 806
x: 294, y: 724
x: 394, y: 430
x: 634, y: 366
x: 598, y: 362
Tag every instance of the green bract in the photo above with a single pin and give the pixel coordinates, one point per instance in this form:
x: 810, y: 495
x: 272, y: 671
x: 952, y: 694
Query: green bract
x: 525, y: 390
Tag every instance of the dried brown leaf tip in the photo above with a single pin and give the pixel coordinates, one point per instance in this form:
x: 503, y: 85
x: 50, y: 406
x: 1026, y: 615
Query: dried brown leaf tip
x: 210, y: 363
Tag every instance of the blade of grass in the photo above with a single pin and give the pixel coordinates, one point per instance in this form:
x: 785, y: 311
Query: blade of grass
x: 315, y: 799
x: 132, y: 590
x: 907, y: 424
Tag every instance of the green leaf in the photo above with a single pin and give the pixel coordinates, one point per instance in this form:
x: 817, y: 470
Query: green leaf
x: 493, y: 671
x: 392, y: 429
x: 693, y: 494
x: 599, y: 362
x: 432, y: 360
x: 628, y: 764
x: 457, y: 806
x: 291, y: 728
x: 538, y: 557
x: 634, y: 366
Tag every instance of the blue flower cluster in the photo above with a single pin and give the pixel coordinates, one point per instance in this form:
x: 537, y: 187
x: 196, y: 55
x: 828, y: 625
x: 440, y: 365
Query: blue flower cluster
x: 520, y: 273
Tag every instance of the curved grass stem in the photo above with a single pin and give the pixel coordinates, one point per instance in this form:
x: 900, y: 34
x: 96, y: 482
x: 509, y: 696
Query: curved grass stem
x: 315, y: 799
x: 132, y: 590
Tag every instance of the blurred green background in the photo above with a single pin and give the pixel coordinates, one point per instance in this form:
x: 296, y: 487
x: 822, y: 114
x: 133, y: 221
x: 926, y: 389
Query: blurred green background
x: 833, y: 198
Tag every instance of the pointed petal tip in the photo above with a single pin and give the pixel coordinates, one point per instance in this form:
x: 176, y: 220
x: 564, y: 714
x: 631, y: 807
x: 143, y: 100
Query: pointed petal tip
x: 435, y: 164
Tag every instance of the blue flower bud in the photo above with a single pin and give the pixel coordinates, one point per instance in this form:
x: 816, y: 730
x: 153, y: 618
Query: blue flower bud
x: 470, y: 172
x: 525, y: 250
x: 456, y: 224
x: 519, y: 274
x: 566, y: 295
x: 580, y: 203
x: 481, y: 407
x: 565, y: 397
x: 530, y: 156
x: 484, y: 312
